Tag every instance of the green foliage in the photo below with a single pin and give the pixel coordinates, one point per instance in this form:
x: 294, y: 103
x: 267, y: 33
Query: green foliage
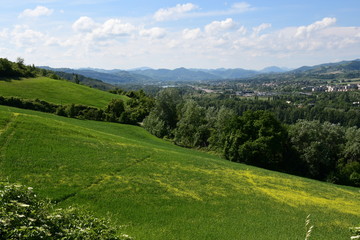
x: 133, y: 111
x: 137, y: 107
x: 191, y: 130
x: 319, y: 146
x: 71, y: 110
x: 349, y: 165
x: 76, y: 101
x: 336, y: 107
x: 165, y: 111
x: 76, y: 78
x: 221, y: 127
x: 315, y: 149
x: 156, y: 126
x: 259, y: 139
x: 115, y: 110
x: 24, y: 216
x: 9, y: 69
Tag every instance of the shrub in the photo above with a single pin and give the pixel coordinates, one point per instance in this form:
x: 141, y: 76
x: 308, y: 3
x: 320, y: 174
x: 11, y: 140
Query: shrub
x: 24, y: 216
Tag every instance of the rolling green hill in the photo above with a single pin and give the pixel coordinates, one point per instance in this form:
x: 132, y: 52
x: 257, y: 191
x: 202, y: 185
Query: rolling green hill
x: 156, y: 190
x: 56, y: 91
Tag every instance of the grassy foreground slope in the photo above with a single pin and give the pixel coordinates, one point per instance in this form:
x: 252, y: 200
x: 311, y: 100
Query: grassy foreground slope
x: 56, y: 91
x: 160, y: 191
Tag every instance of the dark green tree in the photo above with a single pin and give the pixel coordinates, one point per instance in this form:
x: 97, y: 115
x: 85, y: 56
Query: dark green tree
x: 76, y: 78
x: 349, y: 165
x: 257, y: 138
x: 115, y: 110
x: 318, y: 145
x: 220, y: 126
x: 192, y: 130
x: 164, y: 112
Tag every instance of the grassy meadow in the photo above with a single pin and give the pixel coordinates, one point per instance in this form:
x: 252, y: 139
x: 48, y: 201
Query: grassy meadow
x: 156, y: 190
x: 56, y: 91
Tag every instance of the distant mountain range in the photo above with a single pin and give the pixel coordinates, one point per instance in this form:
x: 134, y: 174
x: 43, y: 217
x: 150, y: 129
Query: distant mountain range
x: 145, y: 75
x: 342, y: 66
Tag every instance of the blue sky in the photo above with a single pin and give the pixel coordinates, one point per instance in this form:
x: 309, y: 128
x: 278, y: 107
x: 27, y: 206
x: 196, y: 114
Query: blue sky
x: 169, y: 34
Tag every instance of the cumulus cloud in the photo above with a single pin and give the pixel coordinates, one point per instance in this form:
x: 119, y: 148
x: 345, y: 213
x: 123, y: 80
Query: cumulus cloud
x: 114, y: 27
x: 224, y: 39
x: 155, y: 33
x: 191, y: 34
x: 260, y: 28
x: 52, y: 41
x: 305, y: 31
x: 23, y: 36
x: 111, y: 28
x: 174, y: 13
x: 84, y: 24
x: 242, y: 30
x: 217, y: 26
x: 37, y: 12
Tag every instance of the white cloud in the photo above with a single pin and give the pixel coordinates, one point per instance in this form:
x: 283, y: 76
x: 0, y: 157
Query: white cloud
x: 241, y: 7
x: 155, y: 33
x: 242, y: 30
x: 4, y: 33
x: 23, y: 36
x: 84, y: 24
x: 114, y: 27
x: 305, y: 31
x: 191, y: 34
x: 37, y: 12
x: 52, y: 41
x: 174, y: 13
x: 89, y: 29
x: 115, y: 41
x: 217, y: 26
x: 260, y: 28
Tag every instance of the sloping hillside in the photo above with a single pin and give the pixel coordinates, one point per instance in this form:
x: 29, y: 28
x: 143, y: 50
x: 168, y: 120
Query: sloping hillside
x: 156, y: 190
x: 331, y: 67
x: 56, y: 91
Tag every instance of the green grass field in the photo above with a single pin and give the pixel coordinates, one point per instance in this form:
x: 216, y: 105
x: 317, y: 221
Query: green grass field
x: 156, y: 190
x: 56, y: 91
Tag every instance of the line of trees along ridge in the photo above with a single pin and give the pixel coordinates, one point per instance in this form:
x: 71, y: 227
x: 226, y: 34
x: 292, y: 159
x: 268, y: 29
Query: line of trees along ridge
x: 132, y: 111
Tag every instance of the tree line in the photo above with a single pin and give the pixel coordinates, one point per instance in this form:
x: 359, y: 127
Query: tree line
x: 337, y: 107
x: 132, y: 111
x: 18, y: 69
x: 311, y: 148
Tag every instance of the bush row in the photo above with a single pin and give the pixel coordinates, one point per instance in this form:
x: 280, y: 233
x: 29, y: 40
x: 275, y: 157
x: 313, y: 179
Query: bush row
x: 132, y: 111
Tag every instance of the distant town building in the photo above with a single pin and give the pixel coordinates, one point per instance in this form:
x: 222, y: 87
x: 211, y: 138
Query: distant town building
x: 319, y: 89
x: 336, y: 88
